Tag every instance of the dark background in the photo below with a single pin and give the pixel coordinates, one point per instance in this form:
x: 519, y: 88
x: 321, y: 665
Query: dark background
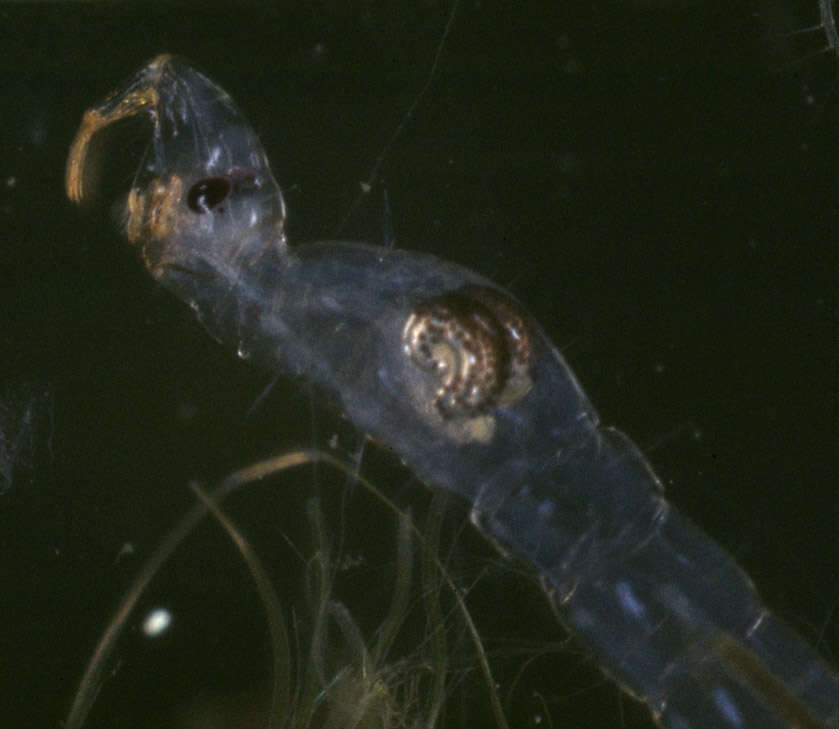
x: 657, y: 182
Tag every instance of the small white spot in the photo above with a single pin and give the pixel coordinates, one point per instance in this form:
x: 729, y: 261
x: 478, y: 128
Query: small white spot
x: 157, y: 622
x: 725, y: 703
x: 126, y: 550
x: 756, y: 625
x: 629, y: 601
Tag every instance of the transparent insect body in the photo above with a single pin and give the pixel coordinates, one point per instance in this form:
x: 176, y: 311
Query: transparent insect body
x: 448, y: 371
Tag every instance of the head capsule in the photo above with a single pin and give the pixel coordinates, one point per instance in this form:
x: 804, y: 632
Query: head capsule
x: 204, y: 194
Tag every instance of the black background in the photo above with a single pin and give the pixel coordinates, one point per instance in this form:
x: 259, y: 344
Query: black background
x: 657, y: 182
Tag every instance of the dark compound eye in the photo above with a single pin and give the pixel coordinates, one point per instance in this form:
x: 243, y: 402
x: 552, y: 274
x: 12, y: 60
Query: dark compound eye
x: 205, y: 194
